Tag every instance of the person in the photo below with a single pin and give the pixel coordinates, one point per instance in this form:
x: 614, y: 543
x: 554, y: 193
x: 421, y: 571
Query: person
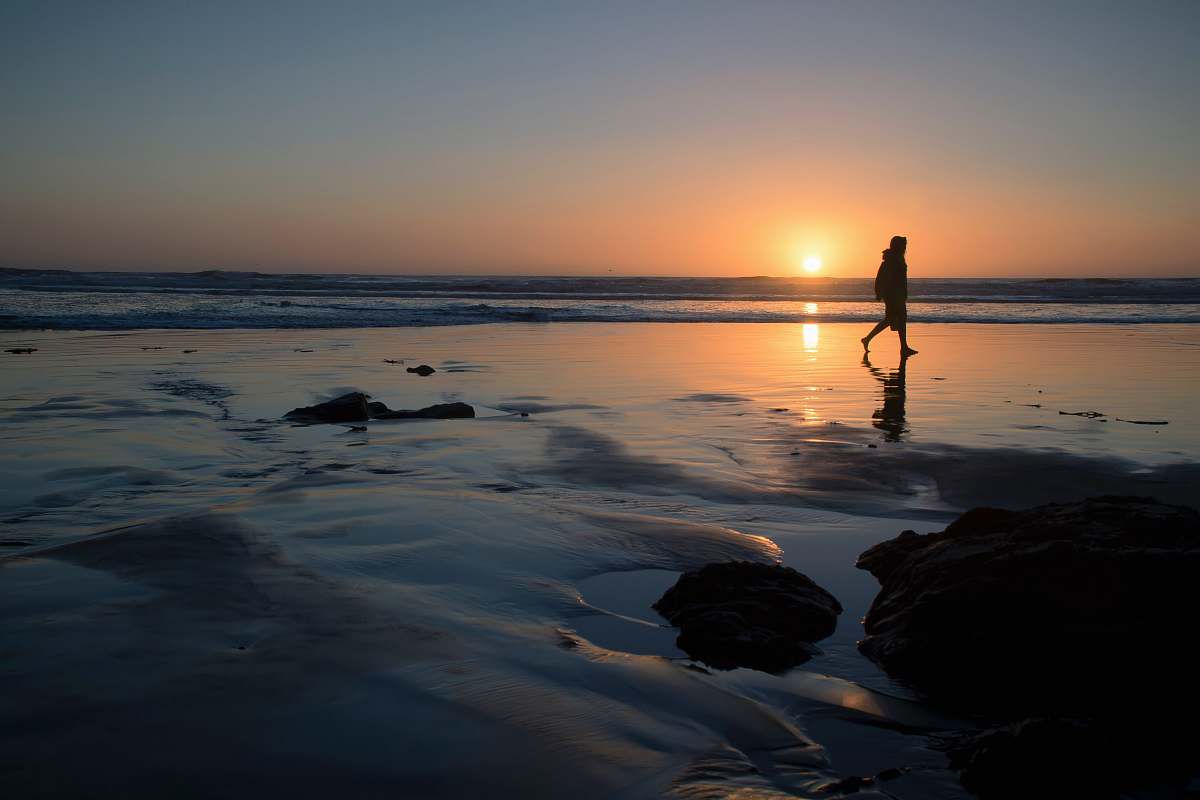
x: 891, y: 286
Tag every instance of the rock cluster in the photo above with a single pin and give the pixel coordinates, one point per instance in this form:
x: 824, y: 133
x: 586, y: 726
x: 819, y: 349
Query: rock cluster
x: 1041, y: 605
x: 356, y: 407
x: 1072, y: 623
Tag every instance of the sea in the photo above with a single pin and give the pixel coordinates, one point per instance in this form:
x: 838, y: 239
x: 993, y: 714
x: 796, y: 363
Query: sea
x: 75, y: 300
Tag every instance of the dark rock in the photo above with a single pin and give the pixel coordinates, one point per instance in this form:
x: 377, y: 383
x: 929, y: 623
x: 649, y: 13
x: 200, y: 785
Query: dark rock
x: 350, y: 407
x: 1044, y: 610
x: 1033, y: 757
x: 440, y: 411
x: 850, y: 785
x: 742, y: 614
x: 422, y: 370
x: 375, y: 408
x: 1046, y: 757
x: 22, y: 351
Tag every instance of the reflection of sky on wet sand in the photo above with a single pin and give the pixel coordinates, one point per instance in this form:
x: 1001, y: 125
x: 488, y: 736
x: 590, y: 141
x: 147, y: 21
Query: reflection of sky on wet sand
x: 973, y: 386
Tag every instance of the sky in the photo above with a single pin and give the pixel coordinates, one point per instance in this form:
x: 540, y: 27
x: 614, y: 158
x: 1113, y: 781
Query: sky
x: 649, y: 137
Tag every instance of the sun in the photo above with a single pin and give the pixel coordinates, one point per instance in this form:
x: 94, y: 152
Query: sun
x: 811, y: 263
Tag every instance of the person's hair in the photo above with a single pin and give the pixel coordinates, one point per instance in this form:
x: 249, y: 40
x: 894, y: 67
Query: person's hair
x: 898, y: 242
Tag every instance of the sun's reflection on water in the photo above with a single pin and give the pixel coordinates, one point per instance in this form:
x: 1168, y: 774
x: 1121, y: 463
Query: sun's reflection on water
x: 811, y: 335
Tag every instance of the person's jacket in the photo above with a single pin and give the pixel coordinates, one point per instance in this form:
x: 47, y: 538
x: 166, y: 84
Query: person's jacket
x: 891, y: 282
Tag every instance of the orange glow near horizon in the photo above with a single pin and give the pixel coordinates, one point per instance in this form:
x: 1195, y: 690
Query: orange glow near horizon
x: 427, y: 141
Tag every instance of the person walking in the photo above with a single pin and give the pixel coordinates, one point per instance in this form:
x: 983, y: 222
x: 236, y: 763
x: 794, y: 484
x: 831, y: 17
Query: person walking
x: 891, y: 286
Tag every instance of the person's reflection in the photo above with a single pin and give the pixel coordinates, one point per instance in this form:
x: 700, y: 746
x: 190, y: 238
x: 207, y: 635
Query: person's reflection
x: 889, y: 417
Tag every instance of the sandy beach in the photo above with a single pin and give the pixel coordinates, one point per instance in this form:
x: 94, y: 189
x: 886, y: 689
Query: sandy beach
x: 462, y: 607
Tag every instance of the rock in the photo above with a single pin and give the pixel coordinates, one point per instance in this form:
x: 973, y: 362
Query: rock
x: 849, y: 785
x: 1035, y: 756
x: 355, y: 407
x: 440, y: 411
x: 350, y: 407
x: 1057, y: 608
x: 1044, y: 757
x: 742, y: 614
x: 422, y: 370
x: 22, y: 351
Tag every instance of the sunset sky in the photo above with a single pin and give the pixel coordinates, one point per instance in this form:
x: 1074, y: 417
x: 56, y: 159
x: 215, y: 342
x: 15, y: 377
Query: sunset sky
x: 668, y: 138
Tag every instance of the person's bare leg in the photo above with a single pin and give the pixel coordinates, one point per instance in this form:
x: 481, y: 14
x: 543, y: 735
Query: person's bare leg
x: 905, y: 350
x: 866, y: 340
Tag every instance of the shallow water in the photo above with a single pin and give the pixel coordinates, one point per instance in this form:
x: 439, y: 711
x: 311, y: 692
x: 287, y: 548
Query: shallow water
x: 321, y: 609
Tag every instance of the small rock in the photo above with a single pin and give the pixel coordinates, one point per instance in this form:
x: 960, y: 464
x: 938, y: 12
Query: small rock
x: 743, y: 614
x: 22, y: 350
x: 849, y: 785
x: 1039, y: 757
x: 350, y: 407
x: 439, y: 411
x: 422, y: 370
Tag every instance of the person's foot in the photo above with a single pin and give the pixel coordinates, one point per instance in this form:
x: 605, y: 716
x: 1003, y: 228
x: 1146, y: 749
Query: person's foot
x: 867, y: 344
x: 906, y: 352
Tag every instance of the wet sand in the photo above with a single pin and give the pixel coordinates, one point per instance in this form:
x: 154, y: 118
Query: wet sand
x: 201, y: 599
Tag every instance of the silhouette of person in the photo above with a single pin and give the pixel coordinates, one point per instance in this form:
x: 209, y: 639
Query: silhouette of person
x: 889, y: 417
x: 891, y: 286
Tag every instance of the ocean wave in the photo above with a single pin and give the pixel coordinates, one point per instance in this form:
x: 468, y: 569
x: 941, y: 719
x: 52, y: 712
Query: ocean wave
x: 100, y: 311
x: 761, y: 289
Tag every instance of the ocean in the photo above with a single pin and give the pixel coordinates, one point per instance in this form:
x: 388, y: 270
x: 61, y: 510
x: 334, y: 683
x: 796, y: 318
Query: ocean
x: 64, y: 299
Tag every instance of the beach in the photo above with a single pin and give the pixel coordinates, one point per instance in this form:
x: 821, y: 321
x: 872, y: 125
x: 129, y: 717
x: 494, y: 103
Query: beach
x: 202, y: 599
